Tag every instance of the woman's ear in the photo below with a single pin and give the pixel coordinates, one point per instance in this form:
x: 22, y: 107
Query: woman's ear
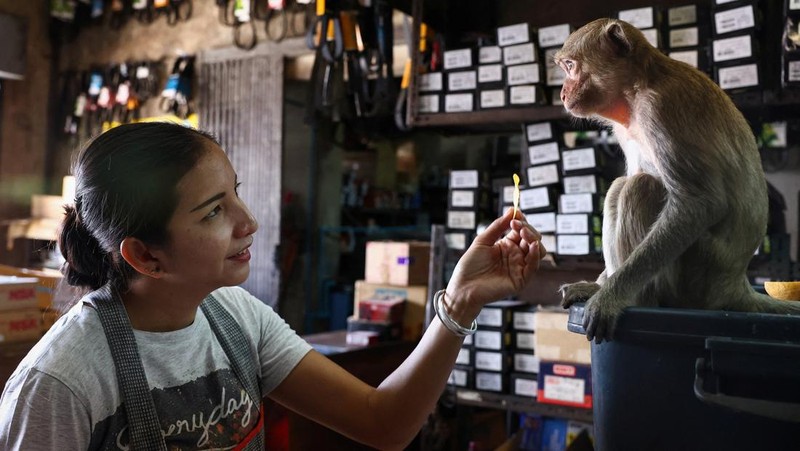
x: 138, y: 255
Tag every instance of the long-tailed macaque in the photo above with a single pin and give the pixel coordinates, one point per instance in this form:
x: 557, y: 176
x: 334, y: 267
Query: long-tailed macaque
x: 680, y: 228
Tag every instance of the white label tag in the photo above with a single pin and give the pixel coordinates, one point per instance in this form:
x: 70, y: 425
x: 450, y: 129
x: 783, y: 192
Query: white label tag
x: 526, y: 363
x: 722, y: 2
x: 543, y: 175
x: 579, y: 159
x: 461, y: 220
x: 794, y: 70
x: 508, y: 194
x: 428, y: 103
x: 639, y: 17
x: 689, y: 57
x: 574, y: 223
x: 525, y: 387
x: 430, y: 82
x: 522, y: 95
x: 738, y: 76
x: 580, y: 184
x: 490, y: 73
x: 492, y: 361
x: 530, y: 199
x: 684, y: 37
x: 456, y: 59
x: 461, y: 81
x: 463, y: 357
x: 576, y: 203
x: 460, y: 198
x: 549, y: 242
x: 564, y: 389
x: 544, y: 153
x: 490, y: 317
x: 524, y: 321
x: 513, y: 34
x: 682, y: 15
x: 488, y: 381
x: 490, y: 54
x: 464, y: 179
x: 519, y: 54
x: 458, y: 378
x: 543, y: 222
x: 573, y: 244
x: 794, y: 5
x: 494, y: 98
x: 554, y: 35
x: 524, y: 339
x: 524, y: 74
x: 735, y: 19
x: 732, y: 48
x: 651, y: 34
x: 554, y: 75
x: 456, y: 241
x: 555, y: 96
x: 489, y: 339
x: 539, y: 132
x: 458, y: 103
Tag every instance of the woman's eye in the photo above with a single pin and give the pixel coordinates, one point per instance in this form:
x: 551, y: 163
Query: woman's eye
x: 213, y: 212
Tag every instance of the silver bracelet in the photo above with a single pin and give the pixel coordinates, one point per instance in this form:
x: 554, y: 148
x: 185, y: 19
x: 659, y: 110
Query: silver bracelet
x: 450, y: 323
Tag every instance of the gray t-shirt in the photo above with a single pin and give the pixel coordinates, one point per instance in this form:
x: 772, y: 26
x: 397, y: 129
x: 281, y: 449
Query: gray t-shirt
x: 64, y: 394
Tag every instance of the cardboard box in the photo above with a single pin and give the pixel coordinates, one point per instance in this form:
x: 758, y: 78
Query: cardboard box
x: 565, y: 384
x: 48, y: 280
x: 20, y: 325
x: 416, y: 297
x: 382, y: 309
x: 47, y: 206
x: 552, y: 340
x: 397, y: 262
x: 17, y: 292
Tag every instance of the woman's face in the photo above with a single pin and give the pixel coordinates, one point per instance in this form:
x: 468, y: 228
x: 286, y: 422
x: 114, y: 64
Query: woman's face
x: 211, y: 229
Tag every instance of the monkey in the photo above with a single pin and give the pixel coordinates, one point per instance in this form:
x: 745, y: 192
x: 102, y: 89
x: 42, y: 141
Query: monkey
x: 680, y: 227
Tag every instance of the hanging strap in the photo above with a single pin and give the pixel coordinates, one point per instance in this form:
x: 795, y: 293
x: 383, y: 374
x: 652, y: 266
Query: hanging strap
x: 143, y: 424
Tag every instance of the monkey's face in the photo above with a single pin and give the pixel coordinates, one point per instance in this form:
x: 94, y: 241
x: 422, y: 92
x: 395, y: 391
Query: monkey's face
x: 577, y: 94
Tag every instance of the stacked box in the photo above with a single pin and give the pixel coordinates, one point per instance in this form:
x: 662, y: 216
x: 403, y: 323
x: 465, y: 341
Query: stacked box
x: 469, y: 204
x: 523, y: 380
x: 578, y: 222
x: 20, y: 317
x: 411, y: 326
x: 431, y: 93
x: 790, y: 54
x: 688, y: 32
x: 463, y: 373
x: 522, y: 70
x: 647, y: 19
x: 550, y: 41
x: 736, y: 47
x: 460, y: 80
x: 493, y: 346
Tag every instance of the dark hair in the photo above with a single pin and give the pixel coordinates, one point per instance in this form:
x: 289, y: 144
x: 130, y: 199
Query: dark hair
x: 125, y: 187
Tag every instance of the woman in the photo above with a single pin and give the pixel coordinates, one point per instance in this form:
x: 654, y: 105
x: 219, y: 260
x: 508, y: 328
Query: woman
x: 165, y: 344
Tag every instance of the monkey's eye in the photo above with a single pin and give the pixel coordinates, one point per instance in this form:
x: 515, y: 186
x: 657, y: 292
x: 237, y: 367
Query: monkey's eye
x: 569, y: 65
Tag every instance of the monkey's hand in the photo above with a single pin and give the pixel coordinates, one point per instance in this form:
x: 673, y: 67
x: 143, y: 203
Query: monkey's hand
x: 600, y: 316
x: 577, y: 292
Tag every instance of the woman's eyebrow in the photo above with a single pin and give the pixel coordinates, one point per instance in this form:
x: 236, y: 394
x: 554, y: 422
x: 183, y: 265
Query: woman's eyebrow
x: 210, y: 200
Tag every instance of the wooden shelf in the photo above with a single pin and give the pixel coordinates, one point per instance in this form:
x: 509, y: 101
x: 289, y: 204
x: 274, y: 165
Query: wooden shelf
x: 518, y: 404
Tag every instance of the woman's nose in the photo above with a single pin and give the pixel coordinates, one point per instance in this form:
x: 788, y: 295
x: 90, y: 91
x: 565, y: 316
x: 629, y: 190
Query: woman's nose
x: 247, y: 224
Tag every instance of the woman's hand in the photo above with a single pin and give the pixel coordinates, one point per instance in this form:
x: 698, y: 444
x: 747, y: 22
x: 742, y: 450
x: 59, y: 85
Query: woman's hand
x: 496, y: 266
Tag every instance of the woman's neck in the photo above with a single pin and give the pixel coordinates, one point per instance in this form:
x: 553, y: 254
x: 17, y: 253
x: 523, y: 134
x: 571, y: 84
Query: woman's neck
x: 153, y: 306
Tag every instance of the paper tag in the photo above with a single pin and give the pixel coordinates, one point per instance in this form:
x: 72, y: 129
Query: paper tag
x: 464, y: 179
x: 639, y: 17
x: 544, y: 153
x: 580, y: 184
x: 794, y: 5
x: 428, y: 103
x: 543, y: 175
x: 690, y: 57
x: 494, y: 98
x: 458, y: 378
x: 572, y: 223
x: 549, y: 242
x: 508, y: 195
x: 492, y: 361
x: 490, y: 54
x: 543, y: 222
x: 554, y: 75
x: 461, y: 198
x: 651, y: 34
x: 513, y: 34
x: 576, y: 203
x: 490, y: 317
x: 490, y: 73
x: 684, y: 37
x: 461, y: 81
x: 526, y: 363
x: 522, y: 95
x: 463, y: 357
x: 579, y: 159
x: 523, y: 321
x: 564, y: 389
x: 530, y: 199
x: 456, y: 59
x: 738, y: 76
x: 489, y: 339
x: 732, y: 48
x: 488, y: 381
x: 735, y: 19
x: 430, y: 82
x: 539, y: 132
x: 458, y: 103
x: 573, y: 244
x: 554, y: 35
x: 519, y: 54
x: 461, y: 220
x: 456, y: 241
x: 682, y: 15
x: 525, y: 387
x: 722, y: 2
x: 523, y: 74
x: 793, y: 74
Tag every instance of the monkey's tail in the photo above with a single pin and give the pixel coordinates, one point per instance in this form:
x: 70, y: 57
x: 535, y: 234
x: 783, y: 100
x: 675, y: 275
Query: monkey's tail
x: 767, y: 304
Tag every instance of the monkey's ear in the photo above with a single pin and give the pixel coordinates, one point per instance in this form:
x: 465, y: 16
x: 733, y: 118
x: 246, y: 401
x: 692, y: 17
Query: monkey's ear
x: 618, y: 40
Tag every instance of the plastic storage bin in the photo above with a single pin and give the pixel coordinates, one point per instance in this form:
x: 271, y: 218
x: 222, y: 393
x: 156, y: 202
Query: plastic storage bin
x: 696, y: 380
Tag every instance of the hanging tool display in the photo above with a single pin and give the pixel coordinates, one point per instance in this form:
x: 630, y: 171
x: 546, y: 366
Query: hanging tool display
x: 275, y: 17
x: 244, y: 27
x: 177, y: 93
x: 325, y: 33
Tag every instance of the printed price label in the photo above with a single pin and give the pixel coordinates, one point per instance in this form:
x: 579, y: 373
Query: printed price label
x: 738, y: 76
x: 573, y: 244
x: 735, y: 19
x: 524, y: 74
x: 639, y: 17
x: 689, y: 57
x: 490, y: 73
x: 682, y: 15
x: 525, y: 387
x: 543, y: 222
x: 530, y: 199
x: 493, y: 99
x: 580, y: 184
x: 461, y: 81
x: 564, y: 389
x: 491, y: 54
x: 554, y: 35
x: 460, y: 198
x: 684, y: 37
x: 732, y: 48
x: 543, y: 175
x: 539, y: 132
x: 579, y: 159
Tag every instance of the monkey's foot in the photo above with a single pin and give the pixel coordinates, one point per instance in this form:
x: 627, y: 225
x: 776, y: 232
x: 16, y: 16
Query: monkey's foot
x: 577, y: 292
x: 600, y: 316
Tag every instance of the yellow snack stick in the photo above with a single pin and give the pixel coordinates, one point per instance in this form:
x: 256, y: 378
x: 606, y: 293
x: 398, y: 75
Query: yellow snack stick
x: 516, y: 195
